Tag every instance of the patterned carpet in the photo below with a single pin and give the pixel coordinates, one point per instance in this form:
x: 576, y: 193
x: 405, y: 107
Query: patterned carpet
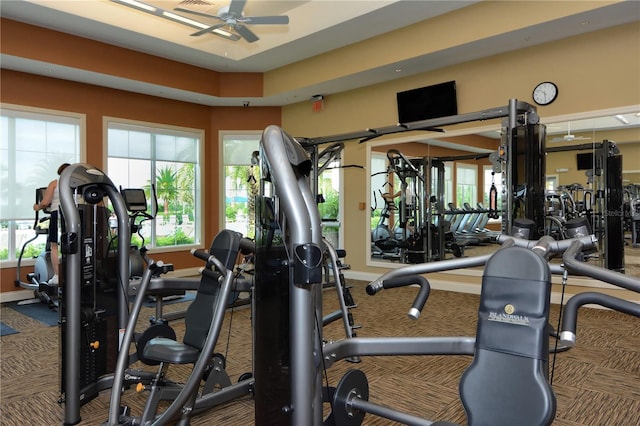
x: 596, y: 383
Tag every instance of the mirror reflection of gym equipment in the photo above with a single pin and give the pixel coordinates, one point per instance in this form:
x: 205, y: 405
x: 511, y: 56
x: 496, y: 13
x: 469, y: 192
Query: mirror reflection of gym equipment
x: 615, y: 195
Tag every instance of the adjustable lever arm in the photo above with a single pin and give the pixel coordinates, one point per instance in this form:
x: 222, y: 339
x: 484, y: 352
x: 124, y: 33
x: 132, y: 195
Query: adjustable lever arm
x: 421, y: 298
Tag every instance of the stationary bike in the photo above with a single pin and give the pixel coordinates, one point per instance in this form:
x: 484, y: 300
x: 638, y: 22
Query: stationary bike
x: 383, y: 238
x: 38, y: 280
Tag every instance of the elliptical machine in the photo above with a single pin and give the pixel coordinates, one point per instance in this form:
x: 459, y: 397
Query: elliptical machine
x: 38, y: 280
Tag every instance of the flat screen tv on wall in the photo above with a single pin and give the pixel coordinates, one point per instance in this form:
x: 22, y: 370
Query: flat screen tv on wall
x: 584, y: 161
x: 438, y: 100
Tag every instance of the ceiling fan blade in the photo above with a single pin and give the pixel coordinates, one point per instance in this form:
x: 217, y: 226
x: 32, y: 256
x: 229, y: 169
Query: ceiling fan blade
x: 266, y: 20
x: 236, y: 6
x: 194, y: 12
x: 208, y: 30
x: 246, y: 33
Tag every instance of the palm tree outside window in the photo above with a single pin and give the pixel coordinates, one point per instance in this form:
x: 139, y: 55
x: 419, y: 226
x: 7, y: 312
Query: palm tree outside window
x: 147, y: 156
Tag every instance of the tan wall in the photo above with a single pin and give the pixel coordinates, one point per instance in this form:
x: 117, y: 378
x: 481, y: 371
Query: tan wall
x: 481, y: 84
x: 480, y: 21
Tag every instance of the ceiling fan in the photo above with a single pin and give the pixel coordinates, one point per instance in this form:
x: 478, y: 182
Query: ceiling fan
x: 233, y: 19
x: 569, y: 137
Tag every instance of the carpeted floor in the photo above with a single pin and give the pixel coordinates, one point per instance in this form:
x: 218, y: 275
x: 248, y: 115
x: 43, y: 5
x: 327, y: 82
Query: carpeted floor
x: 37, y: 311
x: 596, y: 383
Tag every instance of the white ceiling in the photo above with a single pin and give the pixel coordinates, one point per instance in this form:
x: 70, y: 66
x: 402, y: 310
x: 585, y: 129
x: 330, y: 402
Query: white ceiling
x: 315, y: 27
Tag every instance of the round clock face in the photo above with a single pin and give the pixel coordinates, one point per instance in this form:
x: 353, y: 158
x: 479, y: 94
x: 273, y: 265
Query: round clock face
x: 545, y: 93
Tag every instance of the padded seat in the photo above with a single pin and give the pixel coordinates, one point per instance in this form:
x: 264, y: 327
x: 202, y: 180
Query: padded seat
x: 225, y: 247
x: 168, y: 350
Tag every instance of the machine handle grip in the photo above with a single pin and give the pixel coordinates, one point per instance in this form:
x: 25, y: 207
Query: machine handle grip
x: 201, y: 254
x: 419, y: 301
x: 570, y: 316
x: 247, y: 246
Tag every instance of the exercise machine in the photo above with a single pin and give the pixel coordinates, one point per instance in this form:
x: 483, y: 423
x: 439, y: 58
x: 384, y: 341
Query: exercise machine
x: 422, y: 233
x: 288, y: 271
x: 91, y: 310
x: 497, y: 348
x: 203, y: 322
x: 604, y: 201
x: 287, y: 262
x: 38, y: 280
x: 635, y: 222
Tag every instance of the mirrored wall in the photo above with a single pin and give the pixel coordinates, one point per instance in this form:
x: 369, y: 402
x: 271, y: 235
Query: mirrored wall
x: 467, y: 176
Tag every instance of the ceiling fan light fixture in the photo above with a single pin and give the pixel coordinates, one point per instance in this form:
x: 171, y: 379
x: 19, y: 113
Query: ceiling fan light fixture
x: 222, y: 32
x: 621, y: 118
x: 176, y: 17
x: 195, y: 2
x: 137, y: 5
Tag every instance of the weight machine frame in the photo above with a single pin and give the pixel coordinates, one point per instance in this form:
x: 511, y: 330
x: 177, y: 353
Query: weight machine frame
x: 93, y: 185
x: 292, y: 270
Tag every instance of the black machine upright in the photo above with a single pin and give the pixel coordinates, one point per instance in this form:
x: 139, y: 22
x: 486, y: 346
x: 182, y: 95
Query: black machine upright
x: 92, y: 309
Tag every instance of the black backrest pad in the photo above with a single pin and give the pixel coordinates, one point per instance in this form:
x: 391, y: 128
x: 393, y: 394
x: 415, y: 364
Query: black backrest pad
x: 507, y: 381
x: 225, y: 247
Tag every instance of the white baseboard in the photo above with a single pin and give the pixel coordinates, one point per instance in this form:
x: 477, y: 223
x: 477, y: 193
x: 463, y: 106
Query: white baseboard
x: 13, y: 296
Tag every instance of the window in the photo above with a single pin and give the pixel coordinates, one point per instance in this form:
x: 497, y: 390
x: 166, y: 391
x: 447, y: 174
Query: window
x: 141, y: 155
x: 241, y: 184
x: 33, y: 144
x: 329, y: 188
x: 241, y: 181
x: 466, y: 185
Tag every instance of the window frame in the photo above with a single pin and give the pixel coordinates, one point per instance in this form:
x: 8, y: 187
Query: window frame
x: 222, y: 201
x: 30, y: 112
x: 199, y: 212
x: 467, y: 166
x: 222, y: 134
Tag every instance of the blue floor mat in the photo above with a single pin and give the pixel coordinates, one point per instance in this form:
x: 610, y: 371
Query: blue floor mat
x: 6, y: 330
x: 37, y: 311
x: 50, y: 317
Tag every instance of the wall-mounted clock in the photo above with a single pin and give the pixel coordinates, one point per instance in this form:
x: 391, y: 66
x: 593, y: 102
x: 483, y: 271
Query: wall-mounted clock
x: 545, y: 93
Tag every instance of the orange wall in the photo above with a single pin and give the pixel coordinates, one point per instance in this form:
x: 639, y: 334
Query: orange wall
x: 41, y: 44
x: 96, y: 102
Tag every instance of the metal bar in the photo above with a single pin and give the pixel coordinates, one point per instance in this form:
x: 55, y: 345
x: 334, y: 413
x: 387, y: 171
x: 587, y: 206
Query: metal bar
x: 387, y: 413
x: 464, y: 157
x: 602, y: 274
x: 394, y: 346
x: 487, y: 114
x: 581, y: 147
x: 304, y: 227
